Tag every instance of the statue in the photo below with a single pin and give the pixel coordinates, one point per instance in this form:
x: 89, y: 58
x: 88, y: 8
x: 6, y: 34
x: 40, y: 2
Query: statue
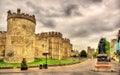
x: 102, y: 58
x: 101, y: 46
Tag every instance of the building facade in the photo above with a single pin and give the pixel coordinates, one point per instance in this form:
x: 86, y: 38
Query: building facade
x: 112, y: 48
x: 113, y: 54
x: 20, y: 40
x: 53, y: 43
x: 90, y: 51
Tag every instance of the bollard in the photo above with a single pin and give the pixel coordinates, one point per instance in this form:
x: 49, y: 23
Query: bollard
x: 45, y: 66
x: 41, y: 66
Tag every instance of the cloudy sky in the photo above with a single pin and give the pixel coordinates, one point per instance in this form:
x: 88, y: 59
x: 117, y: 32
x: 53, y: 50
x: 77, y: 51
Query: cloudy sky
x: 84, y: 22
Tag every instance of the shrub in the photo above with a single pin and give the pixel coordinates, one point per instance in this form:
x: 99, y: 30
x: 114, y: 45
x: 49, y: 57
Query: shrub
x: 24, y: 64
x: 95, y: 54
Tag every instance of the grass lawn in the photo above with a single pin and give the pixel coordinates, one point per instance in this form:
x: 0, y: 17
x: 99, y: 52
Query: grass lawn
x: 51, y: 61
x: 4, y: 64
x: 37, y: 62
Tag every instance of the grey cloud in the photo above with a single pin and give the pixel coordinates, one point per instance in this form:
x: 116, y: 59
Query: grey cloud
x: 90, y: 27
x: 37, y: 9
x: 48, y: 23
x: 112, y: 4
x: 97, y: 0
x: 40, y: 17
x: 88, y: 2
x: 41, y: 11
x: 117, y: 25
x: 72, y: 9
x: 81, y: 33
x: 67, y: 10
x: 0, y: 3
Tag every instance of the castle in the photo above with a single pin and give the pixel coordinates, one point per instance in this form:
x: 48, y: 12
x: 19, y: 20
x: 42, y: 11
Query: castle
x: 90, y: 51
x: 20, y: 40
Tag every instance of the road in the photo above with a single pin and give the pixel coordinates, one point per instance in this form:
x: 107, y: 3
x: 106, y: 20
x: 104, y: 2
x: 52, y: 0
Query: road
x: 84, y: 68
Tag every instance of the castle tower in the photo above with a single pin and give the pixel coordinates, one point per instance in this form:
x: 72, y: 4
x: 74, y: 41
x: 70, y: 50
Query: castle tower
x: 55, y: 47
x: 67, y: 47
x: 20, y: 37
x: 50, y: 42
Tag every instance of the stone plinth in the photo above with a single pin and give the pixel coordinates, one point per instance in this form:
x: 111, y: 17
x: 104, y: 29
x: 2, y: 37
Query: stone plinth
x: 103, y: 63
x: 102, y: 58
x: 103, y: 66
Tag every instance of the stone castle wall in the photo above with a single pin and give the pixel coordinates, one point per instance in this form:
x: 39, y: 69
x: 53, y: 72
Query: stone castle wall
x: 53, y: 43
x: 2, y: 43
x: 20, y: 40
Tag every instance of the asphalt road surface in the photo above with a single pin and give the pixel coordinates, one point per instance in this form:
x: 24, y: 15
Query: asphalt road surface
x: 84, y: 68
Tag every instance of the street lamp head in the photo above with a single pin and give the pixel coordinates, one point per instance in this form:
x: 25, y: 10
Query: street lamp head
x: 45, y: 53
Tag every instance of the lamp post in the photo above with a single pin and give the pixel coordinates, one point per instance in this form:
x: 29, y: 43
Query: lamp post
x: 45, y: 65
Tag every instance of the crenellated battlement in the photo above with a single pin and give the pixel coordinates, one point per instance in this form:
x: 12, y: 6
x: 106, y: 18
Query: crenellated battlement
x: 50, y: 34
x: 21, y: 15
x: 66, y: 40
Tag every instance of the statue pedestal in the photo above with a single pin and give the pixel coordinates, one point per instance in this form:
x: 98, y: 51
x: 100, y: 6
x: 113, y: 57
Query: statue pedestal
x: 103, y: 63
x: 103, y: 66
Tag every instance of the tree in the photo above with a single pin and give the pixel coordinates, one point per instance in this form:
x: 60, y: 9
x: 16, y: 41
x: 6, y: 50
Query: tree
x: 95, y: 54
x: 107, y: 47
x: 83, y: 54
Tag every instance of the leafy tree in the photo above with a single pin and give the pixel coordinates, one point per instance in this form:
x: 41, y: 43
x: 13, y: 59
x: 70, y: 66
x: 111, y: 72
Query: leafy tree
x: 83, y: 54
x: 95, y: 54
x: 107, y: 47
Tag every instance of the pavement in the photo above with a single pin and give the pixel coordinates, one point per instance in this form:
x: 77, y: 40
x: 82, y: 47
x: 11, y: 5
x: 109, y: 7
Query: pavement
x: 84, y: 68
